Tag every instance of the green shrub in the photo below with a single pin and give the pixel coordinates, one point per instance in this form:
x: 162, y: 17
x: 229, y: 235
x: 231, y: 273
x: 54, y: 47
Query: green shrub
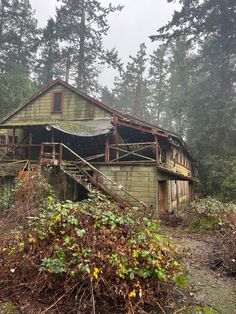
x: 204, y: 215
x: 93, y: 254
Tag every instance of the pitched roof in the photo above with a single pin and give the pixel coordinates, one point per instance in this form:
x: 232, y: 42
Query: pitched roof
x: 68, y: 86
x: 116, y: 113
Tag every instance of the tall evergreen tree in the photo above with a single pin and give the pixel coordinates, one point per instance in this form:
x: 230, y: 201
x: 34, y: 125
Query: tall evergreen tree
x: 108, y: 97
x: 19, y: 44
x: 131, y: 88
x: 82, y: 25
x: 210, y: 24
x: 5, y: 22
x: 177, y: 102
x: 14, y: 88
x: 50, y: 64
x: 157, y: 80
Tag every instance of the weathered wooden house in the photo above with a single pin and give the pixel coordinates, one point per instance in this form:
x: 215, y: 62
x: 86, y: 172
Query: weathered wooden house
x: 88, y: 145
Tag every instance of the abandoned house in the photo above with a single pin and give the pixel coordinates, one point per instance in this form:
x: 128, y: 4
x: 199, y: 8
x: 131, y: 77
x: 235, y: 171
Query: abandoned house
x: 86, y: 145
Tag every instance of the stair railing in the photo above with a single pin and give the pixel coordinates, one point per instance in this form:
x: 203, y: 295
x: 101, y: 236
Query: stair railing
x: 85, y: 162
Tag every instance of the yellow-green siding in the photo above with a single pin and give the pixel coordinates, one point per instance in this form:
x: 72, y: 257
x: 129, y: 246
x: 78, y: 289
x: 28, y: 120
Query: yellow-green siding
x: 75, y: 107
x: 140, y: 181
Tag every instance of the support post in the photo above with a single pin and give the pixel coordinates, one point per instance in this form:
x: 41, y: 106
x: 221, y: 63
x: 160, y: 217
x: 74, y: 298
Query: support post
x: 177, y: 195
x: 52, y: 135
x: 13, y: 143
x: 60, y: 154
x: 117, y: 142
x: 41, y: 154
x: 107, y: 150
x: 157, y: 150
x: 53, y: 153
x: 30, y: 143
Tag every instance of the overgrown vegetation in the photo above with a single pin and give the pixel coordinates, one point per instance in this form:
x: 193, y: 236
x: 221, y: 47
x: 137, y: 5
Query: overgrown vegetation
x: 89, y: 256
x: 206, y: 215
x: 211, y: 215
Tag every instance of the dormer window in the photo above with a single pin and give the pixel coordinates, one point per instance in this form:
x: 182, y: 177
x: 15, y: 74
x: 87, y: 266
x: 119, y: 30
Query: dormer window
x: 57, y: 101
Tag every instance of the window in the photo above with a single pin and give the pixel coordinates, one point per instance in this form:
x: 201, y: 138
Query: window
x: 176, y: 157
x: 57, y: 101
x: 10, y: 139
x: 3, y: 139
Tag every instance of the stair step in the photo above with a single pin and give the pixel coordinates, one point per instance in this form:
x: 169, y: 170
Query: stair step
x: 74, y: 172
x: 70, y: 166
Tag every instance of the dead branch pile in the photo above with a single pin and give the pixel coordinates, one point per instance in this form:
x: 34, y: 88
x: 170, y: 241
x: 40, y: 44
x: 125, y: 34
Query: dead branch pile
x: 29, y: 195
x: 90, y: 257
x: 211, y: 215
x: 224, y: 252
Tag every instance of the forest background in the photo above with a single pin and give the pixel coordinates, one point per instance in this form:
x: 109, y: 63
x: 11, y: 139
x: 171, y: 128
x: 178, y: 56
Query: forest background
x: 186, y: 85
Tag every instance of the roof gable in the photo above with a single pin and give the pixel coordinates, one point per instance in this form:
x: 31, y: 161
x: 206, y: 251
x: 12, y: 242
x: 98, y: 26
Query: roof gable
x: 77, y: 106
x: 89, y: 108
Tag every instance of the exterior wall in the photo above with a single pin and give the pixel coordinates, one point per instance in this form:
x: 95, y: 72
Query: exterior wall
x: 183, y: 190
x: 140, y: 181
x: 74, y: 107
x: 179, y: 162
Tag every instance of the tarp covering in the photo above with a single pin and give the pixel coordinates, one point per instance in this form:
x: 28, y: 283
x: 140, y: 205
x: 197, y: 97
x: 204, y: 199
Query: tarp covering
x: 85, y: 128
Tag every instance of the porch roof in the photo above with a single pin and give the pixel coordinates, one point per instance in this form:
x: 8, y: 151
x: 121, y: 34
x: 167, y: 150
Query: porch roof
x: 81, y: 128
x: 86, y: 128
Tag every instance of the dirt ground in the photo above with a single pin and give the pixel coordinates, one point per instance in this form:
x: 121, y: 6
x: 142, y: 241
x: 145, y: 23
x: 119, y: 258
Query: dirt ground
x: 210, y: 288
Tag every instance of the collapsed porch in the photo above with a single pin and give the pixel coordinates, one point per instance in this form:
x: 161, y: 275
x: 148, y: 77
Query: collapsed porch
x: 100, y: 157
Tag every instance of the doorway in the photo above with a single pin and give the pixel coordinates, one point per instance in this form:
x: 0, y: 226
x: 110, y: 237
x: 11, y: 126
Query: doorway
x: 162, y: 198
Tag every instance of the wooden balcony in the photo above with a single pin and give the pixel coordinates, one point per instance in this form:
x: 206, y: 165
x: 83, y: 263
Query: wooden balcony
x: 177, y: 168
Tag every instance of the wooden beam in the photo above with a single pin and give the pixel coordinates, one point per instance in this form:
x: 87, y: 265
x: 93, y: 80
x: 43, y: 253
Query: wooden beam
x: 60, y: 154
x: 30, y: 143
x: 116, y: 136
x: 107, y: 150
x: 13, y: 142
x: 157, y: 149
x: 141, y: 128
x: 52, y: 135
x: 177, y: 195
x: 132, y: 153
x: 133, y: 144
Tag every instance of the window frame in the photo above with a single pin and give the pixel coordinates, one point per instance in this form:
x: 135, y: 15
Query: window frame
x: 57, y: 91
x: 3, y: 140
x: 10, y: 139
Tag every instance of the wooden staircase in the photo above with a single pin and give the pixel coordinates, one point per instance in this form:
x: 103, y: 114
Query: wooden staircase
x: 77, y: 174
x: 85, y: 174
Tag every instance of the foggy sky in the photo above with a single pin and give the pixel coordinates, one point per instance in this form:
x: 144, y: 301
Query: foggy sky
x: 128, y: 28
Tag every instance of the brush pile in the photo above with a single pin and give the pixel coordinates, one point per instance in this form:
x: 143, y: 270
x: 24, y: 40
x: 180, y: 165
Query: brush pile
x: 90, y: 257
x: 219, y: 219
x: 224, y: 249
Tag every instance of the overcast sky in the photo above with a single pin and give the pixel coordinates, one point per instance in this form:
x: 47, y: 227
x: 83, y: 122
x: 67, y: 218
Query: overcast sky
x: 128, y: 28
